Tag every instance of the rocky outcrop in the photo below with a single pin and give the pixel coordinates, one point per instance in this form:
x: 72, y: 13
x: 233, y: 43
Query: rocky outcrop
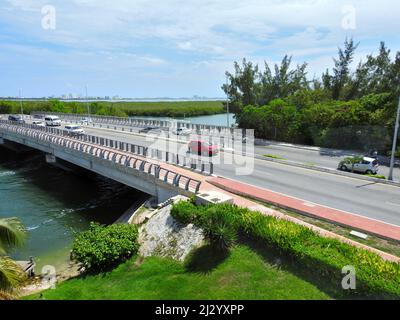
x: 163, y: 236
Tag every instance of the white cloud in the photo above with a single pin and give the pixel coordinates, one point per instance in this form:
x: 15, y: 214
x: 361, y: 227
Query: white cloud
x: 187, y: 38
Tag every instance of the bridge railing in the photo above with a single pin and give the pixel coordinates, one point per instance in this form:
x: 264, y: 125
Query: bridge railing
x: 140, y: 122
x: 194, y: 163
x: 60, y: 137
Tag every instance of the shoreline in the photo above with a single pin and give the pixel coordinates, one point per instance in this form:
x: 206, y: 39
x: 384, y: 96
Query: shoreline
x: 43, y: 282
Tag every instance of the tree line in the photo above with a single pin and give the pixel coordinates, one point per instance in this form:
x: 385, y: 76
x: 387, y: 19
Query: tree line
x: 344, y: 108
x: 117, y: 109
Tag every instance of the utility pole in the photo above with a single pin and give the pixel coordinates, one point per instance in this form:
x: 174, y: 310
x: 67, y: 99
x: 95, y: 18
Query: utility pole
x: 87, y: 103
x: 396, y: 135
x: 20, y: 101
x: 227, y: 101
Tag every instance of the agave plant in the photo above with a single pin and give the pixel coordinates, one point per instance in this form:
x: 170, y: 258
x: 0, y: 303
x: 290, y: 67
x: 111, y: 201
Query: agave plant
x: 219, y: 227
x: 12, y: 234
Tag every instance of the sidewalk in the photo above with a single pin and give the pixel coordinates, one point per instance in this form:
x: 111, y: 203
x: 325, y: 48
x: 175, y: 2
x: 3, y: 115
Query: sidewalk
x: 339, y: 217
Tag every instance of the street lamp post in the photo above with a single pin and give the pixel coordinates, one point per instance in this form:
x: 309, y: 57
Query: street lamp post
x: 396, y: 135
x: 227, y: 101
x: 87, y: 103
x: 20, y: 101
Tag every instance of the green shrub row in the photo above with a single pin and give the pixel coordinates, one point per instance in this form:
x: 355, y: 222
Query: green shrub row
x: 326, y: 256
x: 102, y: 247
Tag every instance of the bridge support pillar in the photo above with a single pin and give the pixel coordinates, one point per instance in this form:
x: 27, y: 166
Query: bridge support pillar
x: 51, y: 158
x: 164, y: 194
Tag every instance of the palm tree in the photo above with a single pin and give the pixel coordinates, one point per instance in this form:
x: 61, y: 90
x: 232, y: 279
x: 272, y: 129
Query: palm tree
x: 12, y: 234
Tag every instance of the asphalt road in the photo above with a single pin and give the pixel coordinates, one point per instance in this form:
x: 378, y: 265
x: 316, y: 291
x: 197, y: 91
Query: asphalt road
x: 321, y: 158
x: 373, y: 200
x: 369, y: 199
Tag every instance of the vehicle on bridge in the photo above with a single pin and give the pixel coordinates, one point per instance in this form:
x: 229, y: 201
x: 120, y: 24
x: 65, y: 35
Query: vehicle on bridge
x: 38, y: 123
x: 202, y: 148
x: 16, y: 118
x: 52, y: 121
x: 86, y: 121
x: 74, y: 130
x: 363, y: 165
x: 182, y: 131
x: 148, y: 129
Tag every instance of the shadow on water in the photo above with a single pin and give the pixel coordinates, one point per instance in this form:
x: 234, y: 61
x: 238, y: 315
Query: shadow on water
x: 101, y: 199
x: 54, y: 203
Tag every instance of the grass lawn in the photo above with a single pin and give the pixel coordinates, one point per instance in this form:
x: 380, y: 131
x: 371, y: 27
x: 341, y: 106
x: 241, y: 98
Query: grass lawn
x: 246, y: 273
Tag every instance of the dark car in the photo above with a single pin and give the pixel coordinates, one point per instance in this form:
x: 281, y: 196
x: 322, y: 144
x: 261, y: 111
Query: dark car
x: 148, y: 129
x: 16, y: 118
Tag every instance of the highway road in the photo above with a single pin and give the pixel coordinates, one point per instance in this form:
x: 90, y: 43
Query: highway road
x: 373, y: 200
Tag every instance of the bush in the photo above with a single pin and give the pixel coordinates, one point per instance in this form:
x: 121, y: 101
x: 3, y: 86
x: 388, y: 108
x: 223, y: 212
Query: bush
x: 102, y: 247
x: 219, y: 227
x: 327, y: 256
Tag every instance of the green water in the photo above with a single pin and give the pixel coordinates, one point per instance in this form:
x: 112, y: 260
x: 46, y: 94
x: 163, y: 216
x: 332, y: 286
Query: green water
x: 53, y: 204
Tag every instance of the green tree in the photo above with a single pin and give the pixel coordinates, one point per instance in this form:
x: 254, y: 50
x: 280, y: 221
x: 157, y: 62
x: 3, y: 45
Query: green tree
x: 12, y: 234
x: 5, y: 107
x: 284, y: 82
x: 242, y: 88
x: 341, y: 71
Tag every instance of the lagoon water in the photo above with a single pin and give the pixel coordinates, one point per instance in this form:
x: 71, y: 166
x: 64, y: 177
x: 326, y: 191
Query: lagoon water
x: 53, y: 204
x: 214, y: 120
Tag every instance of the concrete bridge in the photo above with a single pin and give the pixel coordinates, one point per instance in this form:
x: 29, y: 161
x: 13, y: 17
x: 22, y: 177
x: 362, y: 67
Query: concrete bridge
x: 120, y: 165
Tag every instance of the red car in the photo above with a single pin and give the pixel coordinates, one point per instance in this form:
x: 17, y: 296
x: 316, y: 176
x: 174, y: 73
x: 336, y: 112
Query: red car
x: 202, y: 148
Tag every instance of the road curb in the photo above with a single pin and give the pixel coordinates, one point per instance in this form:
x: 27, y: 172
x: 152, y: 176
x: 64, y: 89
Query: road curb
x: 328, y: 170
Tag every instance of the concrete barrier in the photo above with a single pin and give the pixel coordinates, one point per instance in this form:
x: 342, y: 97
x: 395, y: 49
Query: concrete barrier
x: 58, y: 138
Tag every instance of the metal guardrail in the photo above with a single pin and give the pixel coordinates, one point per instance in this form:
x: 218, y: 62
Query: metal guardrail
x: 139, y: 122
x: 193, y: 163
x: 60, y: 137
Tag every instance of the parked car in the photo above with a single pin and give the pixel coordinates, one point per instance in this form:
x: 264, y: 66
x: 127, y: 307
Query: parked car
x: 74, y: 130
x: 16, y: 118
x: 148, y: 129
x: 52, y: 121
x: 182, y: 131
x: 38, y: 123
x: 202, y: 147
x: 38, y: 116
x: 363, y: 165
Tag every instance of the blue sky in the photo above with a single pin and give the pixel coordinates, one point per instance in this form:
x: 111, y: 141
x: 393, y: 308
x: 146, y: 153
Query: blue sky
x: 174, y: 48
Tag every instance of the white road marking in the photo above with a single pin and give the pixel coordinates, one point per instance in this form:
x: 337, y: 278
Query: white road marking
x: 393, y: 204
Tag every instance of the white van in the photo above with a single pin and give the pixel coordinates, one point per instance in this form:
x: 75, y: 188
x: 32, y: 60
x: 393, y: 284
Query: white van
x: 52, y: 121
